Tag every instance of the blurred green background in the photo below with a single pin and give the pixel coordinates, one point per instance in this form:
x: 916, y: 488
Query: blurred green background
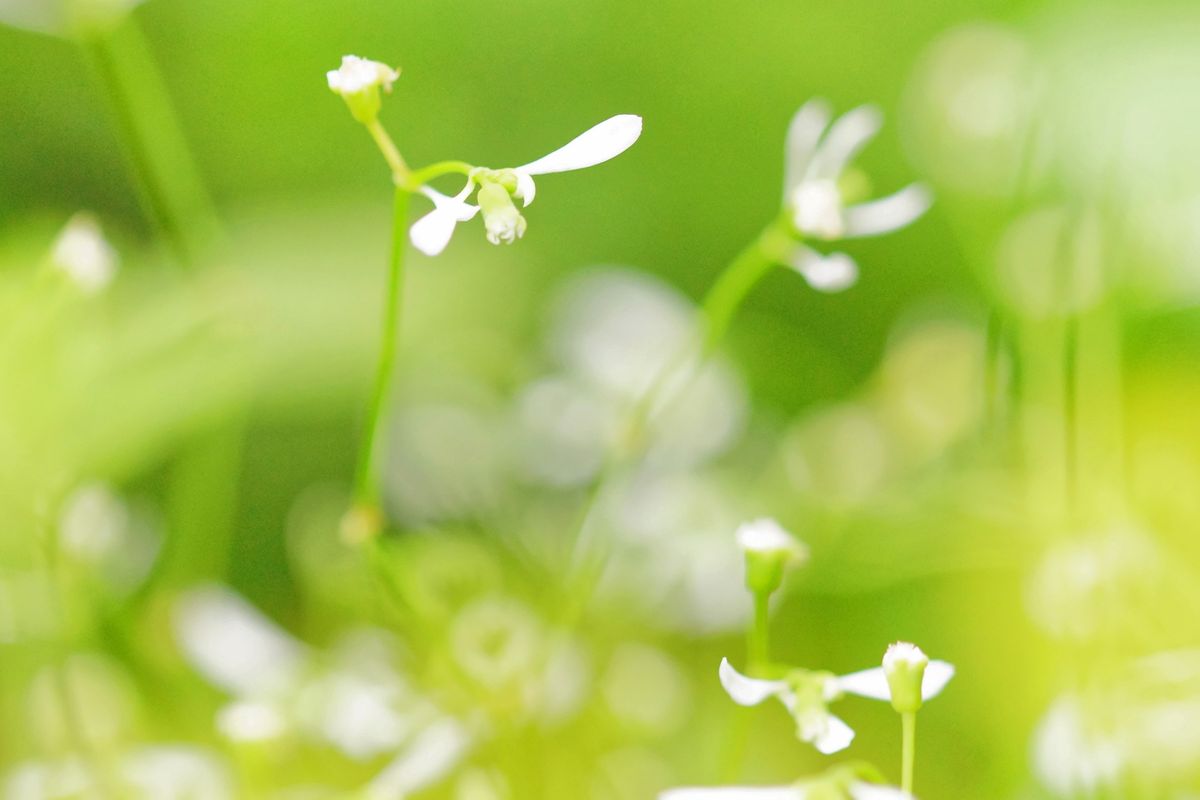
x: 990, y: 450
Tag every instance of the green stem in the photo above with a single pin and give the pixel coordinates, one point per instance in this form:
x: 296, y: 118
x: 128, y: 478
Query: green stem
x: 909, y: 724
x: 366, y: 483
x: 163, y: 170
x: 1070, y: 408
x: 424, y: 175
x: 758, y: 642
x: 735, y: 282
x: 391, y: 154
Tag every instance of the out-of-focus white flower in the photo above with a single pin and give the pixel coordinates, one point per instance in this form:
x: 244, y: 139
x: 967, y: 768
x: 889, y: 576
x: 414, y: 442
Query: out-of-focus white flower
x: 644, y: 688
x: 805, y: 695
x: 358, y: 81
x: 234, y: 645
x: 177, y: 772
x: 432, y: 232
x: 249, y: 721
x: 856, y: 790
x: 497, y: 641
x: 1072, y: 754
x: 431, y: 757
x: 92, y: 523
x: 65, y: 17
x: 817, y: 156
x: 83, y: 254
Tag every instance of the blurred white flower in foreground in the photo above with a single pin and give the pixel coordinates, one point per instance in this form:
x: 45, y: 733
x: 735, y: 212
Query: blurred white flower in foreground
x: 83, y: 254
x: 497, y: 188
x: 806, y: 696
x: 817, y: 191
x: 65, y: 17
x: 854, y: 790
x: 154, y: 772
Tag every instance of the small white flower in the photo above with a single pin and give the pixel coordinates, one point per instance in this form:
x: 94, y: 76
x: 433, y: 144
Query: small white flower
x: 357, y: 75
x: 610, y: 138
x: 814, y: 723
x: 249, y: 721
x: 766, y: 536
x: 83, y: 254
x: 358, y: 81
x: 817, y: 155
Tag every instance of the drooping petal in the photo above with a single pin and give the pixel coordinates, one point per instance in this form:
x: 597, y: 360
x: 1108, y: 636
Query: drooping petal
x: 594, y: 146
x: 888, y: 213
x: 803, y: 134
x: 870, y: 683
x: 860, y: 790
x: 847, y: 136
x: 431, y: 233
x: 746, y: 691
x: 832, y: 273
x: 434, y: 753
x: 526, y: 188
x: 937, y: 675
x: 733, y: 793
x: 836, y: 736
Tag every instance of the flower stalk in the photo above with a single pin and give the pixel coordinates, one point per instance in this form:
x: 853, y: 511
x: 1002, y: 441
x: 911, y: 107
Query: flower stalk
x: 908, y: 723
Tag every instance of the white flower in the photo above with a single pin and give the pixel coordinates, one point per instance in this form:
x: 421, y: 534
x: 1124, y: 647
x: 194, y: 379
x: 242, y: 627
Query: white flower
x: 818, y: 153
x: 766, y: 537
x: 83, y: 254
x: 357, y: 75
x: 814, y: 723
x: 358, y: 81
x: 610, y: 138
x: 857, y: 790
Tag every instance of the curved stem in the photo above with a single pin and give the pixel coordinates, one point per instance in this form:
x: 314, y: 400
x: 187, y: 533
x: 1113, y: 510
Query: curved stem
x: 909, y: 724
x: 366, y: 483
x: 391, y: 153
x: 735, y: 282
x: 418, y: 178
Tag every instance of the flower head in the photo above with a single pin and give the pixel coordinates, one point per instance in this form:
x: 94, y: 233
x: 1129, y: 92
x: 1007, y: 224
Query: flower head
x: 83, y: 254
x: 819, y: 186
x: 498, y: 188
x: 358, y: 81
x: 769, y: 550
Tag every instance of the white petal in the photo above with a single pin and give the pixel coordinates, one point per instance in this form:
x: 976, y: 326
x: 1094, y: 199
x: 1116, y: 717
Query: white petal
x: 431, y: 233
x: 837, y: 736
x: 526, y: 188
x: 937, y: 675
x: 888, y: 213
x: 832, y: 273
x: 803, y: 134
x: 860, y: 790
x: 594, y: 146
x: 747, y: 691
x: 848, y: 135
x: 733, y: 793
x: 870, y: 683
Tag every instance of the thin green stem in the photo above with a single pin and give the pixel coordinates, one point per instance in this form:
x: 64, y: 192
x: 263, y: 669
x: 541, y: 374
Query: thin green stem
x: 424, y: 175
x: 758, y: 640
x: 735, y: 282
x: 1070, y: 412
x: 168, y: 182
x: 366, y: 483
x: 391, y: 154
x: 908, y: 722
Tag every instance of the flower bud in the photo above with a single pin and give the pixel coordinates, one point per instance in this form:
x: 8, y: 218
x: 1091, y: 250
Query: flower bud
x: 358, y: 81
x: 904, y: 665
x: 501, y: 218
x: 769, y: 550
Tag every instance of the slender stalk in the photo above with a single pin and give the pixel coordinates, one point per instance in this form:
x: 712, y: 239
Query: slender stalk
x: 391, y: 154
x: 418, y: 178
x: 1070, y: 412
x: 735, y: 282
x: 168, y: 182
x: 758, y: 642
x: 908, y: 722
x: 366, y: 483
